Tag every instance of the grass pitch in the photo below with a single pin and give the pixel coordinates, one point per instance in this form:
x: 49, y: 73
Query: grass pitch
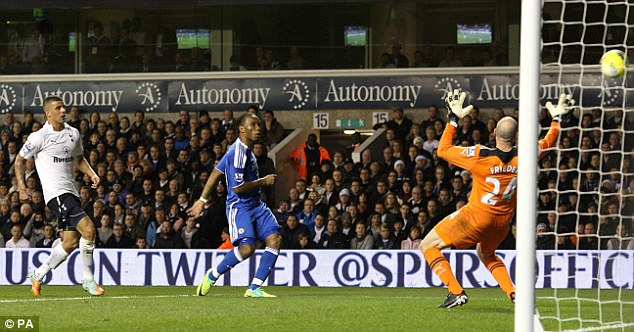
x: 68, y: 308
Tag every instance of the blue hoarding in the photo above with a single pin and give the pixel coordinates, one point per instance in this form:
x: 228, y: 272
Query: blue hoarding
x: 306, y: 93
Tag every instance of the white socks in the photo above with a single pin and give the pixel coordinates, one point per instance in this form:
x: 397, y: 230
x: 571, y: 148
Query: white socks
x: 58, y: 255
x: 86, y: 248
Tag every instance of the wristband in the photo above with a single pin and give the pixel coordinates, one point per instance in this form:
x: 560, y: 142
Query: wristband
x: 203, y: 200
x: 453, y: 119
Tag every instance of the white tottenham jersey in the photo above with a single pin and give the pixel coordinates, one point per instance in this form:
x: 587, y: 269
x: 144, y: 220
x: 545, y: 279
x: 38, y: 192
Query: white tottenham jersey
x: 54, y: 152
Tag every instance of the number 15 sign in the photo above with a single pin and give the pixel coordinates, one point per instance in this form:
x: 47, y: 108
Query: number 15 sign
x: 321, y: 121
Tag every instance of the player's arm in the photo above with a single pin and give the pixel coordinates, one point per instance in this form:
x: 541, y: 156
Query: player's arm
x: 237, y: 174
x: 564, y: 106
x: 28, y: 150
x: 550, y: 139
x: 19, y: 175
x: 457, y: 155
x: 198, y: 206
x: 460, y: 156
x: 247, y: 186
x: 83, y: 166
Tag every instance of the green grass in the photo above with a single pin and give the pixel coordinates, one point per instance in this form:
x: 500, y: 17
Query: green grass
x: 615, y: 307
x: 475, y: 38
x: 67, y: 308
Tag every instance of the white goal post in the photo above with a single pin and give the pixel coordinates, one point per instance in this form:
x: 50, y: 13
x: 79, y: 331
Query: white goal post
x: 530, y: 65
x: 566, y: 39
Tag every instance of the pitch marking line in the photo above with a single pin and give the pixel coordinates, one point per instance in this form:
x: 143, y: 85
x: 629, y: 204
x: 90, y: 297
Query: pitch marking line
x: 55, y: 299
x: 603, y: 327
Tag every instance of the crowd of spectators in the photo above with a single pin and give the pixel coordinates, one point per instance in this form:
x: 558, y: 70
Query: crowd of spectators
x: 586, y: 189
x: 450, y: 56
x: 152, y: 170
x: 586, y: 186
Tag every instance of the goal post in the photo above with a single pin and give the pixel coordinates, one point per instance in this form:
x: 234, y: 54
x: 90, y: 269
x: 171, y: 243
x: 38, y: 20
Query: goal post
x: 584, y: 187
x: 530, y: 70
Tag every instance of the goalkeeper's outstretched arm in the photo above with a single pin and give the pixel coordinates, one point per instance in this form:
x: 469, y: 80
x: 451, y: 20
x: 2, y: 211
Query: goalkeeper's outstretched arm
x: 564, y: 106
x: 198, y: 206
x: 457, y: 155
x: 550, y: 139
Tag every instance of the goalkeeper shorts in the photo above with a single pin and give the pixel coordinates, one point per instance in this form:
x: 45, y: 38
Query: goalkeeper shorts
x: 470, y: 225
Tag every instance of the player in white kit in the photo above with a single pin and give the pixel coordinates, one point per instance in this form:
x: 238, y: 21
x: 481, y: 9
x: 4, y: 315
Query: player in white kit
x: 57, y: 150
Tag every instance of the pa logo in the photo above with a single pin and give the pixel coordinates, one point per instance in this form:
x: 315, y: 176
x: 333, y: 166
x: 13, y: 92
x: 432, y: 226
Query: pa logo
x: 298, y: 91
x: 8, y: 98
x: 151, y: 95
x: 446, y: 85
x: 67, y: 150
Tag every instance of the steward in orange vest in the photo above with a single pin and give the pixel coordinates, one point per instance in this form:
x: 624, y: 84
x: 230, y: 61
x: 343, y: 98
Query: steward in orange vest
x: 309, y: 157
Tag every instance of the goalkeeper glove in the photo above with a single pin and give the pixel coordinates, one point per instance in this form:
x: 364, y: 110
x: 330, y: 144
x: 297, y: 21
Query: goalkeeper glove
x: 454, y: 106
x: 565, y: 105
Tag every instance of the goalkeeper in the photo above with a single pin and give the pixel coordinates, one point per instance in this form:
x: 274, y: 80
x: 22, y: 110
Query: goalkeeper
x: 485, y: 220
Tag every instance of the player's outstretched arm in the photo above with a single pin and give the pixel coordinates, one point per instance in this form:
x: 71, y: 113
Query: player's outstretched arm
x: 564, y: 106
x: 268, y: 180
x: 19, y: 174
x: 457, y: 155
x: 83, y: 166
x: 198, y: 206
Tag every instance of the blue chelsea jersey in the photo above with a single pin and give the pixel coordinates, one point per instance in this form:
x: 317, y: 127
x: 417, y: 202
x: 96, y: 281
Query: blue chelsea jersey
x: 239, y: 165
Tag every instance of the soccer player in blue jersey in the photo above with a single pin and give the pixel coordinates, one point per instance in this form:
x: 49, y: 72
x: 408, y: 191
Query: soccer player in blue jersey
x: 249, y: 218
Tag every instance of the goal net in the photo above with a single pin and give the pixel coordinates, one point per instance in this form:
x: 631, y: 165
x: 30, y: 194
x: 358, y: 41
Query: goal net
x: 586, y: 184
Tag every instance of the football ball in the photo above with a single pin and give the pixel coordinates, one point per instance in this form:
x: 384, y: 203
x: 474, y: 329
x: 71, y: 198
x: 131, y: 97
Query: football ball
x: 614, y: 63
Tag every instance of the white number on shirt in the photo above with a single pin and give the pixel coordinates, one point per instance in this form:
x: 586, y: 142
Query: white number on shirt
x: 508, y: 193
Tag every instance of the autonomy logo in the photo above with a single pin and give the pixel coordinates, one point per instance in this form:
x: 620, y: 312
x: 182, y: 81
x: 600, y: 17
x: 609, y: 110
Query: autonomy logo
x: 151, y: 95
x: 299, y: 93
x: 8, y: 98
x: 446, y: 85
x: 610, y: 91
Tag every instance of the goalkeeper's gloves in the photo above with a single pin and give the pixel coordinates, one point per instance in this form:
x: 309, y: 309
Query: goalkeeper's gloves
x: 565, y: 105
x: 454, y: 106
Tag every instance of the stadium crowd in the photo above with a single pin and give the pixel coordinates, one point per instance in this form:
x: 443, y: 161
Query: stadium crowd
x: 153, y: 170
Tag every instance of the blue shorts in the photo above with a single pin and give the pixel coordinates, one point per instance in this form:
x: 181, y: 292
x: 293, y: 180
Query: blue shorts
x: 255, y: 222
x: 68, y: 209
